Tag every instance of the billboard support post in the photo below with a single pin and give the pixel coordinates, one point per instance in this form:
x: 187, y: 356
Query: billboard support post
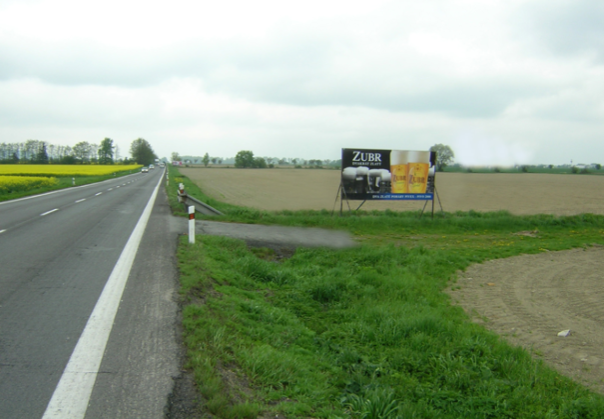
x: 341, y: 193
x: 439, y: 204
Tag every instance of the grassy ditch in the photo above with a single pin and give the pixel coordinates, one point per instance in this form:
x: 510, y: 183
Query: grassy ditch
x: 367, y: 332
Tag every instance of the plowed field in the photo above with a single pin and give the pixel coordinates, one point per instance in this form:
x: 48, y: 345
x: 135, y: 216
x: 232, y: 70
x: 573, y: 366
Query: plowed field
x: 293, y: 189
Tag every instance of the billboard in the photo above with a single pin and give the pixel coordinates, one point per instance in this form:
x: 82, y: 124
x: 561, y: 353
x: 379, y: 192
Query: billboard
x: 372, y: 174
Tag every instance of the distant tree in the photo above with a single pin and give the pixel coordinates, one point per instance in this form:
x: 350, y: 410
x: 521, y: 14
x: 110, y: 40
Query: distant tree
x: 259, y: 163
x: 69, y: 159
x: 206, y: 159
x: 93, y: 153
x: 214, y: 160
x: 106, y: 151
x: 444, y: 156
x: 244, y: 159
x: 598, y: 166
x: 42, y: 156
x: 81, y: 151
x: 142, y: 152
x: 175, y: 156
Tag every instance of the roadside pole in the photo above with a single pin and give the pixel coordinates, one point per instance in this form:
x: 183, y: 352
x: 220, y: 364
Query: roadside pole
x: 192, y: 224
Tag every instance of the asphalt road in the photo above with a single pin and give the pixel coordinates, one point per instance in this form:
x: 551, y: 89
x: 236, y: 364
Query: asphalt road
x: 57, y: 252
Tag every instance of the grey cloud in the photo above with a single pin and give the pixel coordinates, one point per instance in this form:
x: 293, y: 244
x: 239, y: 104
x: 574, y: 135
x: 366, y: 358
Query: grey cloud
x: 462, y: 98
x: 566, y: 26
x: 77, y: 63
x: 292, y: 70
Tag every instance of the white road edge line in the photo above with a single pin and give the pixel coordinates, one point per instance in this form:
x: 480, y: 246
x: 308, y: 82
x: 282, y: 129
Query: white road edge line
x: 80, y: 200
x: 70, y: 398
x: 48, y: 212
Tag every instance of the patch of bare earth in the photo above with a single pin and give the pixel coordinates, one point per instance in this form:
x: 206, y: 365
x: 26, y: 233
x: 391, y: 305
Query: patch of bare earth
x: 529, y: 299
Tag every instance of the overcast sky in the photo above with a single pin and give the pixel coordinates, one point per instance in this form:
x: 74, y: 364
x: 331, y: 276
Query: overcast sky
x: 501, y: 82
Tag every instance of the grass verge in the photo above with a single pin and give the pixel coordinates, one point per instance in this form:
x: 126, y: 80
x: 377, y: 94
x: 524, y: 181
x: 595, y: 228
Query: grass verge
x: 367, y: 332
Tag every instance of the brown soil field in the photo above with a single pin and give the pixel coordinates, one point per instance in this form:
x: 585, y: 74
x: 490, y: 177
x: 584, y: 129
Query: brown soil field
x: 518, y: 193
x: 529, y: 299
x: 526, y: 299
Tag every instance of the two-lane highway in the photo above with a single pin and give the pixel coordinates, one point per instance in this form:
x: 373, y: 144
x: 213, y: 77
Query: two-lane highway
x: 57, y: 252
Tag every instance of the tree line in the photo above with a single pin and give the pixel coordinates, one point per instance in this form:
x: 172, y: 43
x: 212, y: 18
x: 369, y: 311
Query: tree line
x: 246, y: 159
x: 42, y: 152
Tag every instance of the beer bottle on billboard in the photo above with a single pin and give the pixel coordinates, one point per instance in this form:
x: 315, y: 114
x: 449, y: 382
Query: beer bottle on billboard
x: 418, y: 166
x: 398, y: 171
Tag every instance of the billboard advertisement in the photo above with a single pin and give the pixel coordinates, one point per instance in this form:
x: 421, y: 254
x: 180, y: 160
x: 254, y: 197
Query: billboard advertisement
x: 372, y: 174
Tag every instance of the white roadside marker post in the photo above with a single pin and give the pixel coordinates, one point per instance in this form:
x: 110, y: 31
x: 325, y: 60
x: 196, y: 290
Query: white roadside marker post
x: 192, y: 224
x: 72, y: 181
x: 181, y: 191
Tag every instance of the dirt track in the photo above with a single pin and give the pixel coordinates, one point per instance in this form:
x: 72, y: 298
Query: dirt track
x: 526, y: 299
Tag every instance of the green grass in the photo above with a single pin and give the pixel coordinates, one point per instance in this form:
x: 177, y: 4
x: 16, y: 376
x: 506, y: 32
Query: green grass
x: 63, y: 183
x: 368, y: 332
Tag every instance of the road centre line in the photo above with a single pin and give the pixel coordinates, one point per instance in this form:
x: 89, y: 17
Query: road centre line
x: 72, y: 394
x: 97, y: 194
x: 2, y: 231
x: 80, y: 200
x: 48, y: 212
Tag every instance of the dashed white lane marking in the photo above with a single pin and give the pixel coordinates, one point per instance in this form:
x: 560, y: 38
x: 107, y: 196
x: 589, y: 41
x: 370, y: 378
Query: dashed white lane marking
x: 2, y: 231
x: 110, y: 189
x: 71, y: 397
x: 80, y: 200
x: 48, y: 212
x: 117, y: 186
x: 97, y: 194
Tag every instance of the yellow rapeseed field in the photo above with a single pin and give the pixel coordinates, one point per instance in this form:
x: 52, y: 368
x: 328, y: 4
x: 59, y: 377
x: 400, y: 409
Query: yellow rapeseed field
x: 63, y: 169
x: 10, y: 184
